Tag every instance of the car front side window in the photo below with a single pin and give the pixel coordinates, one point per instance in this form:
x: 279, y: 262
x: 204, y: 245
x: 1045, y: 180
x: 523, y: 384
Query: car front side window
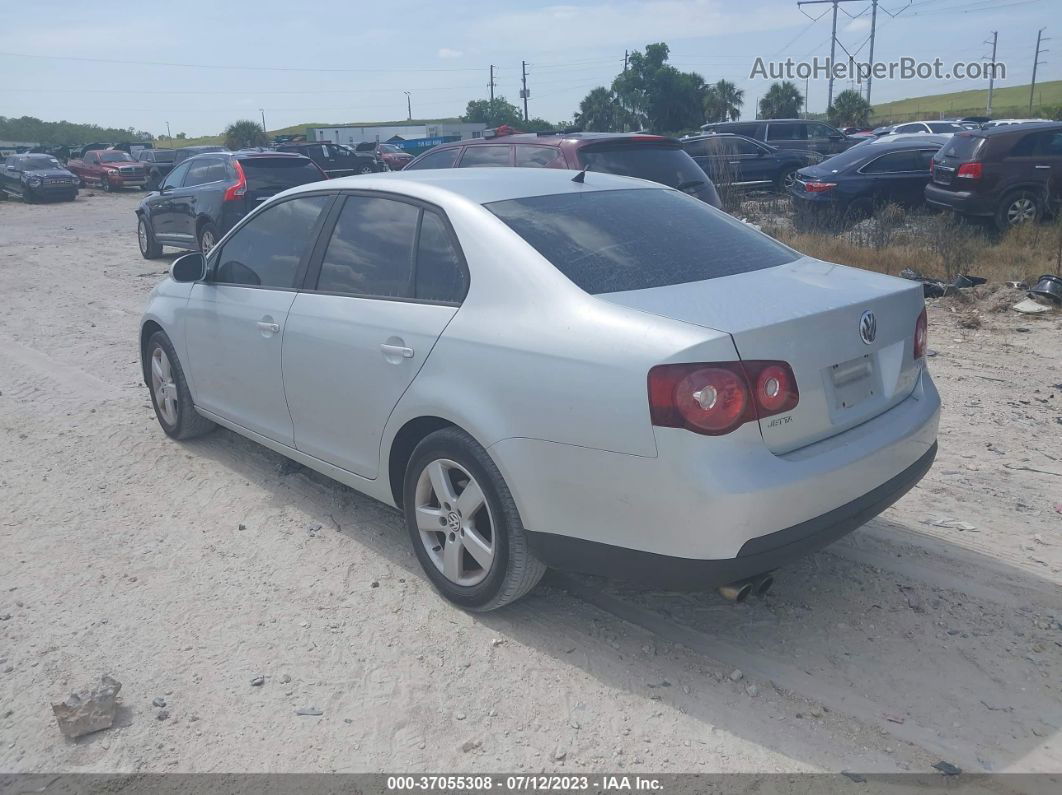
x: 175, y: 177
x: 269, y: 249
x: 444, y: 158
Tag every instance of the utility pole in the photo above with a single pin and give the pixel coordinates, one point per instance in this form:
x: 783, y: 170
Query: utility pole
x: 626, y: 55
x: 524, y: 92
x: 873, y: 28
x: 1036, y: 62
x: 168, y: 133
x: 409, y: 106
x: 833, y: 52
x: 992, y: 73
x: 492, y: 84
x: 262, y: 111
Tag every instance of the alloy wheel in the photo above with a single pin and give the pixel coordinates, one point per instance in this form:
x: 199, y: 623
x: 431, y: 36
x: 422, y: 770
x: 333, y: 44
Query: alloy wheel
x: 788, y: 179
x: 455, y: 522
x: 163, y: 386
x: 1021, y: 210
x: 142, y: 236
x: 206, y: 241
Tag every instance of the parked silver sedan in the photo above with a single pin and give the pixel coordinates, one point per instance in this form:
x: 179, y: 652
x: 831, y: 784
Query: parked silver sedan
x: 598, y: 374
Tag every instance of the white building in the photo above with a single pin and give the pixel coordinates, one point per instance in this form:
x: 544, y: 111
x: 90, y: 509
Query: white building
x: 408, y: 136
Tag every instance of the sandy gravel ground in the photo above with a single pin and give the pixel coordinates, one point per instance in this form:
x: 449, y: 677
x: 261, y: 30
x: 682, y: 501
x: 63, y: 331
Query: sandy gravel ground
x: 185, y: 570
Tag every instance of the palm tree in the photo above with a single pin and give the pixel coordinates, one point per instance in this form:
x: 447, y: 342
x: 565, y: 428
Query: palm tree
x: 782, y: 101
x: 723, y: 101
x: 849, y: 109
x: 245, y: 134
x: 600, y: 111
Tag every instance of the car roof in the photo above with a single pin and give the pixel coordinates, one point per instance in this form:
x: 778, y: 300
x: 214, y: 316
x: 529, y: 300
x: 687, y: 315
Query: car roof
x: 1014, y: 129
x: 480, y: 185
x: 905, y: 141
x: 552, y: 139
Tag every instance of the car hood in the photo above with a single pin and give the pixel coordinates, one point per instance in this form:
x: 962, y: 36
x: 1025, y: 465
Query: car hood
x: 397, y: 155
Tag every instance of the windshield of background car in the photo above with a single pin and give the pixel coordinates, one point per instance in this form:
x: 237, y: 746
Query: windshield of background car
x: 390, y: 149
x: 39, y: 163
x: 163, y: 157
x: 668, y: 165
x: 962, y: 146
x: 278, y: 173
x: 115, y: 157
x: 617, y: 240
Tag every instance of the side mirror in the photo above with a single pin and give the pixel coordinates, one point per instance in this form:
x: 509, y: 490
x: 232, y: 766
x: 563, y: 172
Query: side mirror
x: 188, y: 268
x: 164, y: 188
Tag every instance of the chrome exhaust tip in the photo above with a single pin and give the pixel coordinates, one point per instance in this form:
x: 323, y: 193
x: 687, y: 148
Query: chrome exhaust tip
x: 736, y: 591
x: 762, y: 584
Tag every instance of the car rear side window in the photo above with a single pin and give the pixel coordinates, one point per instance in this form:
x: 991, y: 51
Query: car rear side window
x: 668, y: 165
x: 531, y: 156
x: 896, y: 162
x: 267, y: 250
x: 617, y: 240
x: 440, y: 272
x: 487, y: 155
x: 787, y: 132
x: 444, y: 158
x: 371, y: 249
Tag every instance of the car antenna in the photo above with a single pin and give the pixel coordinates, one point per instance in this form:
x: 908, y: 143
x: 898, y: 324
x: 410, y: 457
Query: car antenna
x: 581, y: 176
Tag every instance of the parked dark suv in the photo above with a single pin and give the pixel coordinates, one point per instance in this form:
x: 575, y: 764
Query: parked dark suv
x: 743, y: 163
x: 334, y: 160
x: 204, y: 197
x: 802, y: 134
x: 1011, y: 174
x: 158, y: 162
x: 652, y: 157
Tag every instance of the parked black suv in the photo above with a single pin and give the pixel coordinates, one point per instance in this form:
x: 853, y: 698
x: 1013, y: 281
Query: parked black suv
x: 652, y: 157
x: 740, y: 162
x: 33, y: 177
x: 1011, y: 174
x: 802, y: 134
x: 185, y: 152
x: 334, y: 160
x: 204, y: 197
x: 158, y: 162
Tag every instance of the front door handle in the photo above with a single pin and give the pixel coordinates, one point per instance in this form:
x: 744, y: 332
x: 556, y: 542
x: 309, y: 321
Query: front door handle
x: 397, y: 350
x: 271, y: 328
x: 1043, y: 167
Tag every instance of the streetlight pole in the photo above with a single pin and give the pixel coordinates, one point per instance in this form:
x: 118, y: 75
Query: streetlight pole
x: 262, y: 111
x: 168, y: 134
x: 409, y: 106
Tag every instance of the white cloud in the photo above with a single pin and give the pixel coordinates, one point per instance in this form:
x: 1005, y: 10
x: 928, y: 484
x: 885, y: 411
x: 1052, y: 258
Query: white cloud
x: 446, y: 52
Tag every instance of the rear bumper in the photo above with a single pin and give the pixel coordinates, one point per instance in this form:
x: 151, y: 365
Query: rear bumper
x: 711, y: 500
x: 965, y: 202
x: 756, y: 556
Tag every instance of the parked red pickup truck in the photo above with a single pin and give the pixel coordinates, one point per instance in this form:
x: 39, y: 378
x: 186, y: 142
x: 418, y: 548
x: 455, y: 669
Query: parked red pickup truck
x: 109, y: 169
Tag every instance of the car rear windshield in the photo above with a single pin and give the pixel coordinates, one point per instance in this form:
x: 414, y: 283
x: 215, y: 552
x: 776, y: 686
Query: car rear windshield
x: 163, y: 157
x: 617, y: 240
x: 668, y: 165
x: 278, y: 173
x: 962, y: 146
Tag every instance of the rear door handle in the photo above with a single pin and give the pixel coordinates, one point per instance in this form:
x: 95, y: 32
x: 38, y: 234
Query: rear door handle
x: 1043, y: 166
x: 396, y: 350
x: 273, y: 328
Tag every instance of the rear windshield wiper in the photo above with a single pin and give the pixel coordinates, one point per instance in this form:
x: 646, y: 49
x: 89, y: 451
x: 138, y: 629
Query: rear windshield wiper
x: 688, y: 186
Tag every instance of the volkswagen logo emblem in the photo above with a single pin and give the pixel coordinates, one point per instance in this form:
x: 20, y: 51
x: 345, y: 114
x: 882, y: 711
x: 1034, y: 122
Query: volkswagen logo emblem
x: 868, y: 327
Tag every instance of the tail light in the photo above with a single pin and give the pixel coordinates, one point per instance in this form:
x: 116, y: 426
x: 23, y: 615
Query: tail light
x: 921, y: 335
x: 932, y: 167
x: 969, y: 170
x: 819, y: 187
x: 239, y: 189
x: 718, y: 397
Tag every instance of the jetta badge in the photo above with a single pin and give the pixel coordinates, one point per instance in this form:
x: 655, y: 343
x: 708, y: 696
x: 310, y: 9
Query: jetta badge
x: 868, y: 327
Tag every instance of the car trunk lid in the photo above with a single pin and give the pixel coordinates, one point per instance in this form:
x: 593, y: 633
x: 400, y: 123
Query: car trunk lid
x: 808, y: 313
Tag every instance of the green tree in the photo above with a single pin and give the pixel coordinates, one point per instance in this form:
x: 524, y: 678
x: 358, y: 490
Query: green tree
x: 181, y: 136
x: 656, y: 95
x: 723, y: 101
x: 782, y: 101
x: 493, y: 113
x: 600, y: 111
x: 245, y: 134
x: 849, y: 109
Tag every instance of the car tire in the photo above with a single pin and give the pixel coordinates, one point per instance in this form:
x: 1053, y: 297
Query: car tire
x: 484, y: 528
x: 169, y: 391
x: 785, y: 179
x: 150, y: 248
x: 105, y: 185
x: 207, y: 237
x: 1018, y: 207
x: 153, y: 181
x: 366, y: 169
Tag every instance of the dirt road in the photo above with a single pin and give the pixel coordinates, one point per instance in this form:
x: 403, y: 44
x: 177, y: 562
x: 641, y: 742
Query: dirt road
x: 185, y: 570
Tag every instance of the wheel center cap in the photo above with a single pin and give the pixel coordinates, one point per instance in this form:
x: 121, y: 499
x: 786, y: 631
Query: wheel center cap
x: 453, y: 521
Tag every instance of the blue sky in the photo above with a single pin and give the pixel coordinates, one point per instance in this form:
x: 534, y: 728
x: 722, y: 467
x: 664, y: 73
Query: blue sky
x: 348, y: 60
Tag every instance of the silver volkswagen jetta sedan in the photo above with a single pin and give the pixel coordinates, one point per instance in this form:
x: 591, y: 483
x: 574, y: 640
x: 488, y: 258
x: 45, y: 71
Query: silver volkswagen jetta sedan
x: 605, y: 375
